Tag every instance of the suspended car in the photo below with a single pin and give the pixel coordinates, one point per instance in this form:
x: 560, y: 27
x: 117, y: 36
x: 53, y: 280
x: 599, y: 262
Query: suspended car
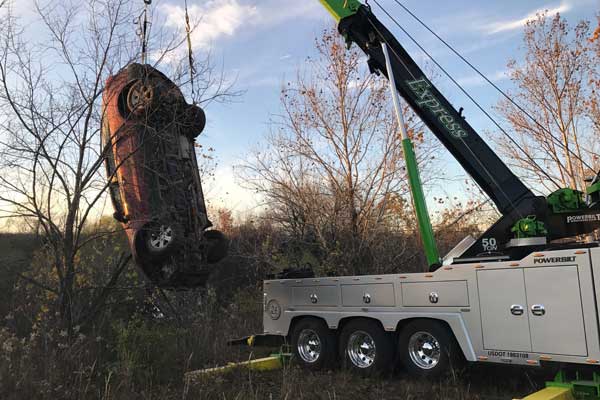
x: 148, y: 136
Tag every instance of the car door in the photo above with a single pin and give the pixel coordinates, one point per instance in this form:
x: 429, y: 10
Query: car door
x: 109, y: 163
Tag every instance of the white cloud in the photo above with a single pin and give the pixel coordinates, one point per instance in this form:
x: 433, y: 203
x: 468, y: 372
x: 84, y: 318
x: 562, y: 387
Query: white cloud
x: 272, y: 12
x: 224, y: 191
x: 217, y: 18
x: 477, y: 80
x: 24, y: 9
x: 222, y: 18
x: 510, y: 25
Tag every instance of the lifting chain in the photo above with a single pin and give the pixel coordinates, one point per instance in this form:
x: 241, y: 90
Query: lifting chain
x: 188, y: 32
x: 142, y: 31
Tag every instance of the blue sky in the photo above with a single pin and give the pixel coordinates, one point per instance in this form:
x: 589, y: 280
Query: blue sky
x: 264, y: 42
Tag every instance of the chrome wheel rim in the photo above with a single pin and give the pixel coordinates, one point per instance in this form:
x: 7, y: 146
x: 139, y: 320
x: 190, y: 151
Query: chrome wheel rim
x: 140, y: 95
x: 161, y: 238
x: 309, y: 346
x: 361, y: 349
x: 424, y: 350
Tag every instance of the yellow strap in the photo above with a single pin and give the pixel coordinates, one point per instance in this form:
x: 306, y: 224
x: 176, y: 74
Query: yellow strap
x: 551, y: 393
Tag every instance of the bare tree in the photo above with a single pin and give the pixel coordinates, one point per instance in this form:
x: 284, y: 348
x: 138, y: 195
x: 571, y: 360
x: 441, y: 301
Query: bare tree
x: 593, y: 103
x: 51, y: 83
x: 553, y: 84
x: 596, y: 35
x: 333, y: 166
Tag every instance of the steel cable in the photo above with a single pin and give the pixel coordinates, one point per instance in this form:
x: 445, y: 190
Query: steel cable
x: 481, y: 74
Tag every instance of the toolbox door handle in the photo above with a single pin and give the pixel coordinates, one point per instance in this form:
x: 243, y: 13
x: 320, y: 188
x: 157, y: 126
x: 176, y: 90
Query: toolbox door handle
x: 538, y: 309
x: 517, y: 309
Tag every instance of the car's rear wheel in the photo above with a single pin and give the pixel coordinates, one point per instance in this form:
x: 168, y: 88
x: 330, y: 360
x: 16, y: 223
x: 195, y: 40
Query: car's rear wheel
x: 160, y: 239
x: 140, y: 96
x: 217, y: 246
x: 193, y: 121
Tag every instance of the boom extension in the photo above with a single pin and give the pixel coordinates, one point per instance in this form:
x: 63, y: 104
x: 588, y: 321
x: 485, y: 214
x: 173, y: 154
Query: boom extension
x: 470, y: 150
x: 528, y: 221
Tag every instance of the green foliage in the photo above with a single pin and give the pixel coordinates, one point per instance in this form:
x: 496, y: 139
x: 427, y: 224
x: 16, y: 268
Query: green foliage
x: 146, y: 351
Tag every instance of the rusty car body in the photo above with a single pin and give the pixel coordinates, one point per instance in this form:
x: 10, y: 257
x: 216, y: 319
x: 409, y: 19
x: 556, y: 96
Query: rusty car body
x: 148, y: 136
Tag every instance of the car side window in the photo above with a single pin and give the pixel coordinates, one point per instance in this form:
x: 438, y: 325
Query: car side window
x: 113, y: 186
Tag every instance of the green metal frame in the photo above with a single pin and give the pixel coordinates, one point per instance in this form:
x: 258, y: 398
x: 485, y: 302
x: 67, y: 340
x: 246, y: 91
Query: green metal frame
x: 341, y: 8
x: 529, y: 227
x: 566, y: 200
x: 588, y: 389
x: 431, y: 252
x: 595, y: 188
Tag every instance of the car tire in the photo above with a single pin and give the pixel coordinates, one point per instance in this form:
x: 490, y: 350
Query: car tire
x: 366, y: 348
x: 160, y: 239
x: 217, y: 246
x: 313, y: 344
x: 427, y: 349
x: 193, y: 121
x: 139, y: 97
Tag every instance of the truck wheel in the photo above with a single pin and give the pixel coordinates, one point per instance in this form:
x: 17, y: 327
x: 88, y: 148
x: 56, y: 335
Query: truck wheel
x: 313, y: 344
x: 366, y: 348
x: 427, y: 349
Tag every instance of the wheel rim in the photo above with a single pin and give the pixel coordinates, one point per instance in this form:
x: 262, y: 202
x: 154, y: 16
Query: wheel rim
x: 140, y: 95
x: 361, y: 349
x: 161, y: 238
x: 424, y: 350
x: 309, y: 346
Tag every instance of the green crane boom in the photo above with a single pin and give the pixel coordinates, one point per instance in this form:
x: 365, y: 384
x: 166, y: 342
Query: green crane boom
x: 528, y: 221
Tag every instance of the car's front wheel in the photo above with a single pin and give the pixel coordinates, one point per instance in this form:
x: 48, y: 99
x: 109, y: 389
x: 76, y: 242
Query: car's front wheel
x: 160, y: 239
x: 217, y: 246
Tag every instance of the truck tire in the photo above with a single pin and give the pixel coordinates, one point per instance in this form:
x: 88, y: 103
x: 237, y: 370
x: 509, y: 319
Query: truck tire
x: 427, y: 349
x: 366, y: 348
x: 313, y: 344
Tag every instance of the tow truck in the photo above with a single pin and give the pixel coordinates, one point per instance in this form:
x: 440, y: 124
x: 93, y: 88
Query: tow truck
x: 525, y: 292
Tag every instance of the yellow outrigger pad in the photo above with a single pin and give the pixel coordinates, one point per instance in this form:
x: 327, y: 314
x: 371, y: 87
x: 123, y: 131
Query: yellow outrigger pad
x: 551, y: 393
x: 260, y: 364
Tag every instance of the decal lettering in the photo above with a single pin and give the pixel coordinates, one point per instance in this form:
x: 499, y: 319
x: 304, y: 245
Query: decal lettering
x: 574, y: 219
x: 509, y: 354
x: 554, y: 260
x: 426, y: 99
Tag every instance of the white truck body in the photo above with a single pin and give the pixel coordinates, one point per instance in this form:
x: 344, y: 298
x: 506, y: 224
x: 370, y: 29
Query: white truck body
x: 542, y: 308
